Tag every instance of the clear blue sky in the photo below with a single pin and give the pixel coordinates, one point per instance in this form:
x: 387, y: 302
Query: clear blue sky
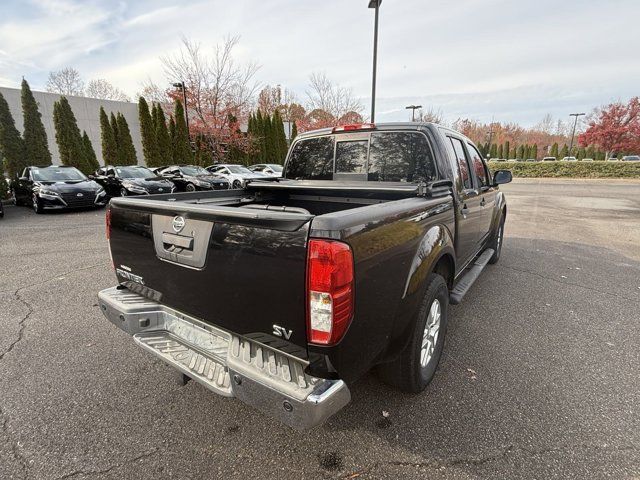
x: 512, y: 60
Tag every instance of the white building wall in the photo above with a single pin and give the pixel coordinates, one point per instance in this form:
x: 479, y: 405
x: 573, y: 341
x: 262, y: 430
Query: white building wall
x: 87, y: 113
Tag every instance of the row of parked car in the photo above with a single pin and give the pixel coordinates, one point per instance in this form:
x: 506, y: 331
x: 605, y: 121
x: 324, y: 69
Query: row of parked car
x: 57, y: 187
x: 627, y: 158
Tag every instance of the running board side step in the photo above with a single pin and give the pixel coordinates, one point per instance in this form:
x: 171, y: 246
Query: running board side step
x: 464, y: 284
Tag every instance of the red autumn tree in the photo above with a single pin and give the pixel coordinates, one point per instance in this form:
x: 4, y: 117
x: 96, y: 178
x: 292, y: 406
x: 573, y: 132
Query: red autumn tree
x: 614, y: 128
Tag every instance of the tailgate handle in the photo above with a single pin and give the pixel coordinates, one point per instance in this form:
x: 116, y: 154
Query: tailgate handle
x: 177, y: 241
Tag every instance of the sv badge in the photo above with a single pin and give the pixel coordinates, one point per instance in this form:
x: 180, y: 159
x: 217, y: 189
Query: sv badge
x: 279, y: 331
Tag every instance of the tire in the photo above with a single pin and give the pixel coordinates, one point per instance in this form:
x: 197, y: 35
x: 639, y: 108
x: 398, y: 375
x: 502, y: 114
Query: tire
x: 1, y: 210
x: 16, y: 202
x: 37, y: 206
x: 415, y: 367
x: 190, y: 187
x: 498, y: 240
x: 237, y: 184
x: 123, y: 192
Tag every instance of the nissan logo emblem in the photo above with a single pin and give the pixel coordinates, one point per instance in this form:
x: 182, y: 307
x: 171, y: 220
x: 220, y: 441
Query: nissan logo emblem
x: 178, y: 224
x: 80, y: 195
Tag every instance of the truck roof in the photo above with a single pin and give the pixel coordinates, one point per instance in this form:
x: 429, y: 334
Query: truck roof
x: 377, y: 126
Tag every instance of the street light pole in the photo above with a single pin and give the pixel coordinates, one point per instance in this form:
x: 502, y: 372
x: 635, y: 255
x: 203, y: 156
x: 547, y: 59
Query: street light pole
x: 184, y: 97
x: 374, y: 4
x: 573, y: 132
x: 413, y: 111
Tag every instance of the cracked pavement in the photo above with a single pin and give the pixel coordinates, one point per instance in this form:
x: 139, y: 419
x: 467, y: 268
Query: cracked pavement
x: 539, y: 378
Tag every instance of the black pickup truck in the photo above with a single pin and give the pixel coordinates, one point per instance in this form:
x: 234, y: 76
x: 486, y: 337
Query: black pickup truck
x: 284, y: 293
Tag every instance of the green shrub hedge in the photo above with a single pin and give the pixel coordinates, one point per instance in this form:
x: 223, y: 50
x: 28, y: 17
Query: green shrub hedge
x: 559, y: 169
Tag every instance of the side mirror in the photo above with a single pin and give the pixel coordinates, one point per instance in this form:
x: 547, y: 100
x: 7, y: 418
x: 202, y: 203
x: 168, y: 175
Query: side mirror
x: 91, y: 177
x: 23, y: 179
x: 111, y: 175
x: 502, y: 176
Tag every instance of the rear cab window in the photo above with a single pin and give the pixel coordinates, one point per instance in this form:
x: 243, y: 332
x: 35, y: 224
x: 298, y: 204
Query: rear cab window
x: 378, y: 156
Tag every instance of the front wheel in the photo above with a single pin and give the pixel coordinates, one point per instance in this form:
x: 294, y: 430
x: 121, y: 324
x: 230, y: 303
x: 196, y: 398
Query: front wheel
x: 237, y: 184
x: 37, y: 205
x: 190, y: 187
x: 498, y: 240
x: 415, y: 367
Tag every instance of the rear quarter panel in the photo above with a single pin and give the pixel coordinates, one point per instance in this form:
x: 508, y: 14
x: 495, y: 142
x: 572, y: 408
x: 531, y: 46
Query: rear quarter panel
x: 394, y: 245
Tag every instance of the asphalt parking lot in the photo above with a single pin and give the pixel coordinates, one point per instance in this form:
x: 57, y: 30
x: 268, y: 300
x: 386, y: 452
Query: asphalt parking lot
x: 539, y: 379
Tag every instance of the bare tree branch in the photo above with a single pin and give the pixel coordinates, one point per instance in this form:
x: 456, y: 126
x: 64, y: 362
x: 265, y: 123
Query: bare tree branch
x: 103, y: 90
x: 66, y: 82
x: 327, y: 96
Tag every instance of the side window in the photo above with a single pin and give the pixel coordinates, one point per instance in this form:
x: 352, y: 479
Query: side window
x: 463, y: 162
x: 111, y: 171
x: 26, y: 173
x: 478, y: 166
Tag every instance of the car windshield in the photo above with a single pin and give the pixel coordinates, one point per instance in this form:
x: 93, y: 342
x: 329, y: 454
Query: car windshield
x: 55, y: 174
x: 275, y: 167
x: 194, y: 171
x: 238, y: 169
x: 134, y: 172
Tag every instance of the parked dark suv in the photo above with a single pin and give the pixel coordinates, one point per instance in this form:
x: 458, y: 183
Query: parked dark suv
x: 55, y: 187
x: 131, y: 180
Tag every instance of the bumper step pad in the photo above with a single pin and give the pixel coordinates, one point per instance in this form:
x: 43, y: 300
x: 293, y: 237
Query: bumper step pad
x: 204, y: 369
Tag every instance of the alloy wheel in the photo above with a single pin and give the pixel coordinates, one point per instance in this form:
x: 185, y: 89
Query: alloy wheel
x: 430, y: 334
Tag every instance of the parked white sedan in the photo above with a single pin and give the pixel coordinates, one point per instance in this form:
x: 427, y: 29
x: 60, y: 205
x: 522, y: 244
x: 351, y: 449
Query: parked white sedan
x: 236, y: 174
x: 271, y: 169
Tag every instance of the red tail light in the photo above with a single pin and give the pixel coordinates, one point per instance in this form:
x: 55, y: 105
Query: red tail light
x: 107, y: 219
x: 329, y: 291
x: 354, y: 126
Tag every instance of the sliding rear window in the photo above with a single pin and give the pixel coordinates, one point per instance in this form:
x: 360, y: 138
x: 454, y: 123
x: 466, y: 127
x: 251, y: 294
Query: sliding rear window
x: 378, y: 156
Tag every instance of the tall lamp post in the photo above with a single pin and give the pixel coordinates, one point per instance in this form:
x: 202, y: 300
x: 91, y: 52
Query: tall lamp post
x: 181, y: 86
x: 573, y: 132
x: 376, y: 5
x: 413, y: 109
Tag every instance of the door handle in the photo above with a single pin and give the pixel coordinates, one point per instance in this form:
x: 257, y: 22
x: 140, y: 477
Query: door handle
x: 482, y: 202
x: 464, y: 211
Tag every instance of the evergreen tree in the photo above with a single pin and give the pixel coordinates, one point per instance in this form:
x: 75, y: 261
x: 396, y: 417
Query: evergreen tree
x: 68, y: 138
x: 294, y: 131
x: 89, y: 152
x: 35, y: 138
x: 148, y: 134
x: 581, y: 153
x: 534, y: 151
x: 162, y: 138
x: 512, y: 154
x: 11, y: 144
x: 527, y: 151
x: 506, y: 149
x: 182, y: 148
x: 126, y: 150
x: 280, y: 137
x: 600, y: 155
x: 4, y: 190
x: 494, y: 151
x: 107, y: 136
x: 114, y: 128
x: 172, y: 136
x: 500, y: 151
x: 565, y: 151
x: 520, y: 153
x: 262, y: 140
x: 554, y: 150
x: 591, y: 152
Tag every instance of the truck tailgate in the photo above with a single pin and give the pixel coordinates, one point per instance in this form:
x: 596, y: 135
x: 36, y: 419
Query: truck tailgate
x: 239, y: 269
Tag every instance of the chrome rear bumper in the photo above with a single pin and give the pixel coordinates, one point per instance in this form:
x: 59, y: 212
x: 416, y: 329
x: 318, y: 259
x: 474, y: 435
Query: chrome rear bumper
x: 229, y: 365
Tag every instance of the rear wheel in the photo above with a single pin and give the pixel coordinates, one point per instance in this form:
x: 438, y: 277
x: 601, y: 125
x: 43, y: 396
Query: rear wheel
x: 123, y: 192
x: 415, y: 367
x: 37, y: 205
x: 190, y: 187
x: 498, y: 239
